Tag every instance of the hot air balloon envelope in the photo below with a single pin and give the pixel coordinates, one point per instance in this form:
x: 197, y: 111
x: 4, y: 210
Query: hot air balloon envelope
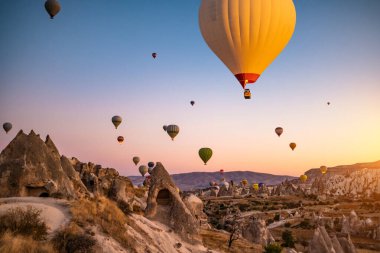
x: 172, y: 131
x: 205, y: 154
x: 7, y: 127
x: 247, y: 35
x: 136, y: 160
x: 116, y: 120
x: 143, y: 170
x: 120, y: 139
x: 279, y: 131
x: 52, y: 7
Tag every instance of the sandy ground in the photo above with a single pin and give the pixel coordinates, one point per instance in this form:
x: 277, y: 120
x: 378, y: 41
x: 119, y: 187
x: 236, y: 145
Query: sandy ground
x: 55, y: 212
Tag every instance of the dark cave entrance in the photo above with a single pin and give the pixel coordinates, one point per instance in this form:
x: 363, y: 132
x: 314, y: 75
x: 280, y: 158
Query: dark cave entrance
x: 44, y: 195
x: 164, y: 197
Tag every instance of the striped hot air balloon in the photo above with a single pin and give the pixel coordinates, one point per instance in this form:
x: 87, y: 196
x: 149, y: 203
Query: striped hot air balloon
x: 172, y: 131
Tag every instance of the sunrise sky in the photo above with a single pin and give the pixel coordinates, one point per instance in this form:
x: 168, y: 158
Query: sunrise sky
x: 67, y: 77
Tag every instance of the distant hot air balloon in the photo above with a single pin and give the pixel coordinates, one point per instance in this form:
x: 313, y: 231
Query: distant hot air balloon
x: 247, y: 35
x: 244, y: 182
x: 328, y: 103
x: 225, y: 184
x: 7, y: 127
x: 292, y: 145
x: 255, y: 186
x: 150, y: 165
x: 154, y: 55
x: 261, y: 185
x: 221, y: 172
x: 172, y: 131
x: 143, y: 170
x: 323, y: 169
x: 52, y: 7
x: 279, y: 131
x: 136, y: 160
x: 205, y: 154
x: 120, y: 139
x: 192, y: 103
x: 116, y: 120
x: 165, y: 128
x: 303, y: 178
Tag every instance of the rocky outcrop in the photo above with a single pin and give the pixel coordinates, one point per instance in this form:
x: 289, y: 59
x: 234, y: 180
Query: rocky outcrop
x: 165, y: 205
x: 360, y: 183
x: 287, y: 188
x: 323, y: 243
x: 32, y: 167
x: 256, y: 231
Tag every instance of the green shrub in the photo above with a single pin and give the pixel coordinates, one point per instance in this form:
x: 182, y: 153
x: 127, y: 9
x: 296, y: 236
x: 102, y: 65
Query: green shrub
x: 288, y: 239
x: 273, y: 248
x: 24, y: 221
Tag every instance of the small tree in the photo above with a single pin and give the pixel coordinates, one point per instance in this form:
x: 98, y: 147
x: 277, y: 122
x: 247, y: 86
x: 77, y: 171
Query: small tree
x: 273, y: 248
x: 232, y: 218
x: 234, y: 233
x: 288, y: 239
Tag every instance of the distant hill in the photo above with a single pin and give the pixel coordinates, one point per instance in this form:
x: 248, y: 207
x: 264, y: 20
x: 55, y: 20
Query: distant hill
x: 198, y: 180
x: 343, y: 169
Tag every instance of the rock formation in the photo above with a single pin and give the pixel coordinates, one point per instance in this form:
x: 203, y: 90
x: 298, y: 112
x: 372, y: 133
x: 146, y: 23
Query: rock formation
x: 256, y: 231
x: 32, y: 167
x: 323, y: 243
x: 165, y: 205
x: 287, y: 188
x: 360, y: 183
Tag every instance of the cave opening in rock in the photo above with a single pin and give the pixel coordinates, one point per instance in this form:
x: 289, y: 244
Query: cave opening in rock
x: 44, y: 195
x: 164, y: 197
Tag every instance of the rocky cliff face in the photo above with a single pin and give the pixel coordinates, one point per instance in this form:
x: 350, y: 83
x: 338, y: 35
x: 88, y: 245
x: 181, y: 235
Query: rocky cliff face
x: 343, y: 169
x: 31, y: 167
x: 360, y: 183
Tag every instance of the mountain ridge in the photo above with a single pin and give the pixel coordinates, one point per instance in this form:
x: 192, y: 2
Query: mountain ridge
x: 198, y: 180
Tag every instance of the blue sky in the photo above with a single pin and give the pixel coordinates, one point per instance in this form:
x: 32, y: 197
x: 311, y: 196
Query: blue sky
x: 68, y: 76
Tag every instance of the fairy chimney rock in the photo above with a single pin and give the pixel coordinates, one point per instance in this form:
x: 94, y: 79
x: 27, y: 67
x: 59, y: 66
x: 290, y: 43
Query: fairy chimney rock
x: 165, y: 205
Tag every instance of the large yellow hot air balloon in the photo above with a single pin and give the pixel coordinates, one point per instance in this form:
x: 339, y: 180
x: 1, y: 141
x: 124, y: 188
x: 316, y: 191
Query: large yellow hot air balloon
x: 303, y: 178
x: 247, y: 35
x: 323, y: 169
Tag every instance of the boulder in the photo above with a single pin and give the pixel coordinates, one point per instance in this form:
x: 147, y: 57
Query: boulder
x: 256, y: 231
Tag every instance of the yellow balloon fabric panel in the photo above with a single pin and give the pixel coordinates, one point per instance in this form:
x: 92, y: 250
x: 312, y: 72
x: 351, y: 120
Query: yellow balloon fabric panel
x: 247, y: 35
